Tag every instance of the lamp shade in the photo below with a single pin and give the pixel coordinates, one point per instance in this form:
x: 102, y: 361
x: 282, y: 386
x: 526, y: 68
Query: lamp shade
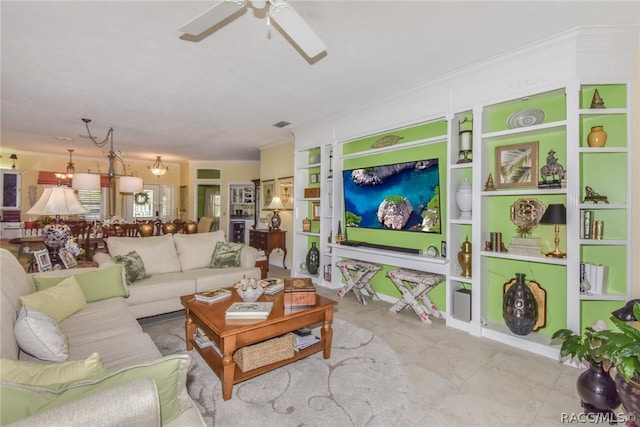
x: 86, y: 181
x: 276, y: 203
x: 131, y: 184
x: 57, y: 201
x: 554, y: 214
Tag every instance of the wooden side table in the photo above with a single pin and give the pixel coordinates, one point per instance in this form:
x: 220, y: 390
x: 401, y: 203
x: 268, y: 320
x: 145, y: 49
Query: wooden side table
x: 268, y: 241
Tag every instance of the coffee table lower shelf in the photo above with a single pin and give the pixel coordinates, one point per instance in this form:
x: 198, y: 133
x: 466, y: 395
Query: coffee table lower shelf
x: 214, y: 360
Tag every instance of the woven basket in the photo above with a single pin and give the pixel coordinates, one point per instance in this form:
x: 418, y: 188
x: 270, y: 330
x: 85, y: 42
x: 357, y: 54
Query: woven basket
x: 266, y: 352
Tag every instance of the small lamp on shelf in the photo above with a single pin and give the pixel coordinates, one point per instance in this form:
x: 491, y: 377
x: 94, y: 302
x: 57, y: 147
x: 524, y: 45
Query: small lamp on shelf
x: 276, y: 205
x: 555, y: 214
x: 465, y: 142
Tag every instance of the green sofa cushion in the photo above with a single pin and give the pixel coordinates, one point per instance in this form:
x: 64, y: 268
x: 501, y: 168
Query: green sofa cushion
x: 59, y: 301
x: 95, y: 284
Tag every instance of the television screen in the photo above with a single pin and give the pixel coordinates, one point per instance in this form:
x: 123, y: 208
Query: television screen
x: 400, y: 196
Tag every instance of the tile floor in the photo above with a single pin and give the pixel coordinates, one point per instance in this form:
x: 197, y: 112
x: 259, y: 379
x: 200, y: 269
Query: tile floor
x: 456, y: 379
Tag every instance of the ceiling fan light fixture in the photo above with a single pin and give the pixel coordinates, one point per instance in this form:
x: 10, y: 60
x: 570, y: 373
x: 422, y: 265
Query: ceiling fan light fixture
x: 158, y: 168
x: 259, y: 4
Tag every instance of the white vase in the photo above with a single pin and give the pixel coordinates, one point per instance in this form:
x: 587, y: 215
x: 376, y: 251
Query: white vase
x: 464, y: 199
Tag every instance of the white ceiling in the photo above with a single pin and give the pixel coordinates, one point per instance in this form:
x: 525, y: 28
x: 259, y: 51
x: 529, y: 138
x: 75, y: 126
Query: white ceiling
x: 124, y: 65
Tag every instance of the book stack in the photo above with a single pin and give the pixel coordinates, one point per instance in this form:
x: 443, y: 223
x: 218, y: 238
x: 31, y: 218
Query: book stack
x: 249, y: 310
x: 299, y: 292
x: 593, y: 277
x: 203, y: 341
x: 303, y: 338
x: 529, y: 246
x: 214, y: 295
x: 589, y: 227
x: 272, y: 286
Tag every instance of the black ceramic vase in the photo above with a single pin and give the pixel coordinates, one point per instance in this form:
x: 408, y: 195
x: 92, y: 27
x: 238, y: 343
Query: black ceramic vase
x: 629, y: 394
x: 519, y: 307
x: 313, y: 259
x: 597, y: 390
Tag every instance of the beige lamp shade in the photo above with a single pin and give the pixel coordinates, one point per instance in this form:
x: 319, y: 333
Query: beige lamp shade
x: 131, y: 184
x: 57, y: 201
x: 86, y: 181
x: 276, y: 203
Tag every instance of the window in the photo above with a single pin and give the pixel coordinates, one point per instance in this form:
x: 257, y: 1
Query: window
x: 92, y: 201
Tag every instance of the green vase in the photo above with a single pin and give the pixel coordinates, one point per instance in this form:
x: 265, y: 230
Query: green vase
x: 313, y: 259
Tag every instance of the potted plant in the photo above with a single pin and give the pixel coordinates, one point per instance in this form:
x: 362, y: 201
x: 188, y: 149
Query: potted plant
x: 595, y: 386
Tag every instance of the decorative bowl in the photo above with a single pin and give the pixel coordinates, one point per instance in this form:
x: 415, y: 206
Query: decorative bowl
x: 249, y: 289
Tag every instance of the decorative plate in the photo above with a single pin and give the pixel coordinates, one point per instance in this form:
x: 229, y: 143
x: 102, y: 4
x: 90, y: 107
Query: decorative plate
x: 528, y: 117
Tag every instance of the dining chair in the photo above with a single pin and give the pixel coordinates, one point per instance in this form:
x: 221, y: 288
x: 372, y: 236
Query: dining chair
x: 81, y: 231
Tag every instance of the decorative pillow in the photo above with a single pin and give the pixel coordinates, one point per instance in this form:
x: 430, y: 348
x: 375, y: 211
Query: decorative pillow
x: 226, y: 254
x: 96, y: 285
x: 133, y: 266
x: 59, y: 301
x: 37, y: 373
x: 169, y: 373
x: 40, y: 336
x: 195, y: 250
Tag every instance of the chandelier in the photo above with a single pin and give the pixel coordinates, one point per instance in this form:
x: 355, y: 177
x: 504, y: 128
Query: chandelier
x: 71, y: 169
x: 158, y: 168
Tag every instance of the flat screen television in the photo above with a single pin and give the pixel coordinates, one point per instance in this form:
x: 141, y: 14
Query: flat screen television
x: 399, y: 196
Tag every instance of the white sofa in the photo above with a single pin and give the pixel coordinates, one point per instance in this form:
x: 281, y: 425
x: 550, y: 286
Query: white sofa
x: 177, y: 264
x: 106, y: 327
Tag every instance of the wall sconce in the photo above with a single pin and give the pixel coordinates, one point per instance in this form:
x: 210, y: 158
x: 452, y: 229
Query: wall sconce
x: 14, y: 158
x: 158, y: 168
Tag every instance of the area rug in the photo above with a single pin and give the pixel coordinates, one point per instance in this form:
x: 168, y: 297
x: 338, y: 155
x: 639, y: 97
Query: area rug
x: 362, y: 384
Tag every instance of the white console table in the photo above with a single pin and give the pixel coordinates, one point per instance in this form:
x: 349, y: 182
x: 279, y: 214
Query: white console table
x: 426, y: 263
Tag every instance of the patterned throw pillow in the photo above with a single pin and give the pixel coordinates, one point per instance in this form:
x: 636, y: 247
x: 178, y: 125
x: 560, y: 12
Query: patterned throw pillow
x: 133, y: 266
x: 226, y: 254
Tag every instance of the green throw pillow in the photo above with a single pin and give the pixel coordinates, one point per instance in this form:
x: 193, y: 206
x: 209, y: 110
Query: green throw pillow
x: 133, y: 266
x: 95, y: 284
x: 38, y: 373
x: 59, y: 301
x: 169, y: 373
x: 226, y: 254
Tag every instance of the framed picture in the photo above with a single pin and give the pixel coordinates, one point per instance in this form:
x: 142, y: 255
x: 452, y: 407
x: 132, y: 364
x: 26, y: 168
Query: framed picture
x: 67, y: 258
x: 443, y: 249
x: 263, y: 224
x: 517, y: 165
x: 285, y: 191
x: 42, y: 260
x: 268, y: 191
x: 314, y: 178
x: 315, y: 210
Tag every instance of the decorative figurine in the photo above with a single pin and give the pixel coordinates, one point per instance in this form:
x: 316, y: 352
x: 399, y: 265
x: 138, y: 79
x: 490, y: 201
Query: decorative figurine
x: 597, y: 102
x: 489, y: 186
x: 552, y: 169
x: 594, y: 197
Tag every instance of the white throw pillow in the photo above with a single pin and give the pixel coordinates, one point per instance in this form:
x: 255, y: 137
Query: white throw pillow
x: 158, y: 253
x: 40, y: 336
x: 195, y: 250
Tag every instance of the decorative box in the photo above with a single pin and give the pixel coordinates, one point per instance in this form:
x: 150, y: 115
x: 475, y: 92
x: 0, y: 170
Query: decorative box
x: 311, y: 192
x: 299, y: 292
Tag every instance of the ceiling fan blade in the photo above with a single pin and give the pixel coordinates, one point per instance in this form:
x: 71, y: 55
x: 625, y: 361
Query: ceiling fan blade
x: 212, y: 16
x: 299, y: 31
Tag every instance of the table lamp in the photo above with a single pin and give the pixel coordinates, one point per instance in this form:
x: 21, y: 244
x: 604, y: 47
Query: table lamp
x: 276, y: 205
x: 555, y: 214
x: 56, y: 201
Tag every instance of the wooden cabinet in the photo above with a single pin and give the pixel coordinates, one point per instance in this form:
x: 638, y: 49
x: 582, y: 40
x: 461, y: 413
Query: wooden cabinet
x: 10, y: 185
x: 268, y: 241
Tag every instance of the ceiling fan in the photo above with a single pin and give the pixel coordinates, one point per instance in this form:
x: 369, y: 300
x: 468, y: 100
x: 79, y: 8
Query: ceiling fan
x: 278, y: 10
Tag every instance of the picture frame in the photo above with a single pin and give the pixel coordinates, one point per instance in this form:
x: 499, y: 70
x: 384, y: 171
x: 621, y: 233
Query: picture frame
x: 268, y: 192
x: 443, y: 249
x: 285, y: 191
x: 516, y: 165
x: 68, y: 259
x: 43, y: 261
x: 314, y: 178
x: 315, y: 211
x: 262, y: 224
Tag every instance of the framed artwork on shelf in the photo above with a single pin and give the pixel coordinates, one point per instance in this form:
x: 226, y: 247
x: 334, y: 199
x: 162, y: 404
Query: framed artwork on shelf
x: 285, y: 191
x: 262, y: 224
x: 315, y: 210
x: 268, y: 191
x: 68, y: 259
x: 516, y: 165
x: 314, y: 178
x: 42, y: 260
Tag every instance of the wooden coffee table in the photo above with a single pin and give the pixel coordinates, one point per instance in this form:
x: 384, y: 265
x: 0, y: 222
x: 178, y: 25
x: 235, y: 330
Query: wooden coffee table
x: 230, y: 336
